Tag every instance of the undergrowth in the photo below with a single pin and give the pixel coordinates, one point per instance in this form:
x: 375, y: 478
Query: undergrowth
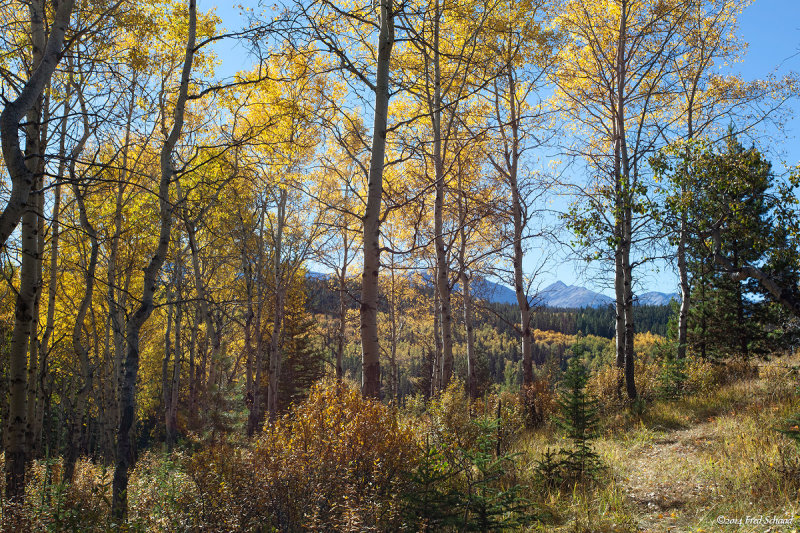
x: 689, y: 452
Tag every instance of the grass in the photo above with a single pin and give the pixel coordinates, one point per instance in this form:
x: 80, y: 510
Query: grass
x: 677, y: 465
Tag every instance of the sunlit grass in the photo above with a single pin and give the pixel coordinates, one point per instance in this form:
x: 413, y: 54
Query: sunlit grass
x: 677, y: 465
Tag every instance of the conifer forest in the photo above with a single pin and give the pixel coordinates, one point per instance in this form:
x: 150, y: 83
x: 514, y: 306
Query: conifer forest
x: 399, y: 265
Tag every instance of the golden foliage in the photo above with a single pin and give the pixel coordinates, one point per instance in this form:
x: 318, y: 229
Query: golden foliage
x: 333, y: 462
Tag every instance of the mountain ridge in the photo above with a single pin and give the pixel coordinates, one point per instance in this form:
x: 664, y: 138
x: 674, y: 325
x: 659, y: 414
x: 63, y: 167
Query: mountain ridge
x: 557, y: 294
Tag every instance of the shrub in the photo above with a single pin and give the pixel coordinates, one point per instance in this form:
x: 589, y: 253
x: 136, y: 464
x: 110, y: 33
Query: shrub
x: 334, y: 462
x: 162, y: 497
x: 734, y: 369
x: 537, y: 402
x: 451, y: 419
x: 51, y: 504
x: 700, y: 377
x: 690, y: 375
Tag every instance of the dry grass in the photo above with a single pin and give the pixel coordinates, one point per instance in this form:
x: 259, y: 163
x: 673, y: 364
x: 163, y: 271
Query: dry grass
x: 678, y: 465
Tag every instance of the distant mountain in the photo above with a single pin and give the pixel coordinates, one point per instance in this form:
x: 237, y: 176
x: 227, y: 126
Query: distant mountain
x: 559, y: 294
x: 657, y: 298
x: 493, y: 292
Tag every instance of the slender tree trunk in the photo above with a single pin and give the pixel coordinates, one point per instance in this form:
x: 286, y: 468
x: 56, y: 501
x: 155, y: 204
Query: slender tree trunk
x: 340, y: 338
x: 192, y: 367
x: 80, y: 415
x: 26, y: 173
x: 275, y: 357
x: 279, y: 281
x: 172, y: 376
x: 683, y: 237
x: 250, y: 383
x: 442, y: 266
x: 46, y: 53
x: 118, y: 283
x: 472, y: 377
x: 212, y: 332
x: 619, y: 313
x: 125, y: 449
x: 683, y: 274
x: 436, y: 378
x: 165, y: 376
x: 463, y: 209
x: 52, y: 282
x: 519, y: 283
x: 34, y: 348
x: 16, y: 445
x: 630, y: 383
x: 623, y: 217
x: 370, y: 347
x: 393, y: 381
x: 172, y: 408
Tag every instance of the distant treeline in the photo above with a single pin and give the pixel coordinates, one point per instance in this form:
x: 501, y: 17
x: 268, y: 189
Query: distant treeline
x: 323, y: 298
x: 588, y: 321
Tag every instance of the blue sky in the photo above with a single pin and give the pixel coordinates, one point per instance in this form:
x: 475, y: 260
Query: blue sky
x: 772, y: 29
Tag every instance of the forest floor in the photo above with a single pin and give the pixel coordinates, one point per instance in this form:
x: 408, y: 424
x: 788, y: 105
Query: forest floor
x: 705, y: 463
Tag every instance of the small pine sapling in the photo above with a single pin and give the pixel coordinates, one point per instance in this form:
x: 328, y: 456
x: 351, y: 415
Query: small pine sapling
x: 579, y: 419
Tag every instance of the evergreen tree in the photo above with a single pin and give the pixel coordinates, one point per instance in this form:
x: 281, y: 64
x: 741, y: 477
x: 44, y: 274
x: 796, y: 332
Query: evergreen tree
x: 579, y: 419
x: 737, y: 210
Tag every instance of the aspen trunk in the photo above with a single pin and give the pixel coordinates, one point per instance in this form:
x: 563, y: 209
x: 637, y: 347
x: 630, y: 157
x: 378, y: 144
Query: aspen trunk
x: 472, y: 377
x: 52, y: 282
x: 393, y: 378
x: 519, y: 281
x: 46, y: 55
x: 23, y: 335
x: 125, y: 449
x: 436, y: 378
x: 16, y: 445
x: 278, y: 271
x: 340, y: 338
x: 370, y: 346
x: 630, y: 382
x: 172, y: 382
x: 79, y: 422
x: 683, y: 274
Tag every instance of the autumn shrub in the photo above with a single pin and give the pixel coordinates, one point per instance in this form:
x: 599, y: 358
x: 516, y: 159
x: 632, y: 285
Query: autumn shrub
x: 450, y: 418
x: 537, y: 401
x: 734, y: 369
x: 648, y: 370
x: 700, y: 376
x: 604, y: 384
x: 688, y: 375
x: 161, y: 495
x: 231, y: 486
x: 332, y: 463
x: 506, y: 413
x: 52, y: 504
x: 608, y: 386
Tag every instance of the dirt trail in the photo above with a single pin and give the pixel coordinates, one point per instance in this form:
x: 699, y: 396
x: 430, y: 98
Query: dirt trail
x: 660, y: 480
